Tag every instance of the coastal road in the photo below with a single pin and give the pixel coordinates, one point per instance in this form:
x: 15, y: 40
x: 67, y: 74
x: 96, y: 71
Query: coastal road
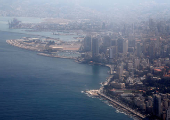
x: 123, y: 106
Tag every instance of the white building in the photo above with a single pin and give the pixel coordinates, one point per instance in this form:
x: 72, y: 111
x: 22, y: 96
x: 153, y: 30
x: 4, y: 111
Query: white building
x: 113, y: 52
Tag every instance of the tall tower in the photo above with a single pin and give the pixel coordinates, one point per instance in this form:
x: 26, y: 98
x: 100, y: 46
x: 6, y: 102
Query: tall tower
x: 168, y: 114
x: 113, y: 52
x: 106, y: 43
x: 87, y: 43
x: 120, y: 70
x: 138, y: 51
x: 157, y: 105
x: 152, y: 48
x: 95, y: 47
x: 120, y: 45
x: 125, y: 47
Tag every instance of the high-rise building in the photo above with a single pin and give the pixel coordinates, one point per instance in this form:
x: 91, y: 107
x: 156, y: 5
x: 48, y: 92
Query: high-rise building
x: 113, y: 52
x: 106, y: 43
x: 113, y: 42
x: 138, y: 50
x: 137, y: 62
x: 133, y: 28
x: 120, y: 70
x: 95, y: 47
x: 168, y: 114
x: 157, y: 105
x: 87, y: 44
x: 152, y: 48
x: 120, y: 45
x: 125, y: 47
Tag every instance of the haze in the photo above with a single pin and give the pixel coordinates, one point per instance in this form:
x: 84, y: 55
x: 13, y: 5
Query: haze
x: 131, y: 10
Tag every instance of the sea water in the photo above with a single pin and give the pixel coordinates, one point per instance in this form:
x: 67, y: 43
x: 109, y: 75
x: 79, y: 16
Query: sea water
x: 34, y: 87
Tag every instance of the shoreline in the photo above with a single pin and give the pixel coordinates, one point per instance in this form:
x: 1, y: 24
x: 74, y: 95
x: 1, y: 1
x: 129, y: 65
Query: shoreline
x: 96, y: 93
x: 115, y: 104
x: 62, y: 57
x: 14, y: 43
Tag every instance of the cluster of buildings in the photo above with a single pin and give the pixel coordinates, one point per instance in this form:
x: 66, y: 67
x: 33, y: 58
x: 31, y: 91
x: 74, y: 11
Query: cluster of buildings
x: 157, y: 105
x: 59, y: 24
x: 138, y: 53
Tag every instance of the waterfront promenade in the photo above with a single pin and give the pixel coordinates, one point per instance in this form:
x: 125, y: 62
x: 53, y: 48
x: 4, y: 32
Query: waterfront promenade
x: 122, y: 106
x: 116, y: 103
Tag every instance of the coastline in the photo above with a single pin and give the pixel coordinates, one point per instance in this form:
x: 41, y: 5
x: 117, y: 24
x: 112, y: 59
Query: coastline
x: 17, y: 44
x: 96, y: 93
x: 63, y: 57
x: 115, y: 104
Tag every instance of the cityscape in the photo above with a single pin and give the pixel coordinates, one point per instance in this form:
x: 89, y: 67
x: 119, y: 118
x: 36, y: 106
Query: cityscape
x: 137, y: 53
x: 139, y: 62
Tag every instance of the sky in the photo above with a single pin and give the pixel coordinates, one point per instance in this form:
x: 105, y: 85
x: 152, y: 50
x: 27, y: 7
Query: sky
x: 121, y: 7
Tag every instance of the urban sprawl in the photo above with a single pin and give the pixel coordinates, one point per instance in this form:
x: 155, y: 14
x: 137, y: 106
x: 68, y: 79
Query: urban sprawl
x: 138, y: 55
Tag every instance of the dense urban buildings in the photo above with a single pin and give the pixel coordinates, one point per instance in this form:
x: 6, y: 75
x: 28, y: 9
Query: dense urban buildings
x: 137, y: 51
x: 138, y: 55
x: 140, y: 64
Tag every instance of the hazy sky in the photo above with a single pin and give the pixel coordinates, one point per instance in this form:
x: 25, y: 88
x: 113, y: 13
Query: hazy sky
x: 120, y: 7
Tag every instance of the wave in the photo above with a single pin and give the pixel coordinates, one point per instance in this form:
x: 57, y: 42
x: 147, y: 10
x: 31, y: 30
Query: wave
x: 88, y: 94
x: 82, y: 91
x: 106, y: 102
x: 118, y: 110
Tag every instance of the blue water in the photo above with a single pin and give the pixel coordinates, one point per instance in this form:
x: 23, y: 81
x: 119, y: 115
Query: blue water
x: 34, y: 87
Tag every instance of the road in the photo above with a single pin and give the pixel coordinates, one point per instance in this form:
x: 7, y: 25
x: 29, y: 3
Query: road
x: 123, y: 106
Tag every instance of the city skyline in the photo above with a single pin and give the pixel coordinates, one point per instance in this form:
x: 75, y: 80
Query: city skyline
x: 130, y: 38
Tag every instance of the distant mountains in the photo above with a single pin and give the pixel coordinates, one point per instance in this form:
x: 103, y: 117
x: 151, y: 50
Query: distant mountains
x: 98, y: 9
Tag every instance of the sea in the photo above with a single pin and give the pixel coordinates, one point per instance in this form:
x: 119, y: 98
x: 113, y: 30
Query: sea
x: 34, y: 87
